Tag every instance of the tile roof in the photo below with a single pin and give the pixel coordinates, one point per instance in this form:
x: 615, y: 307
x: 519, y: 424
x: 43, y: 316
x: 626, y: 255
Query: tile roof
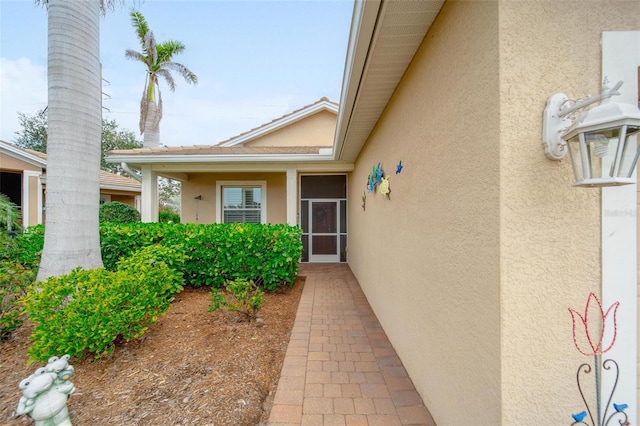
x: 106, y: 178
x: 111, y: 179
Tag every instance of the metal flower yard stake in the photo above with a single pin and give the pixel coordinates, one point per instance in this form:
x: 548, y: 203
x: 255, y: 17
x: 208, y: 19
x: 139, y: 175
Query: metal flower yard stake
x: 594, y: 333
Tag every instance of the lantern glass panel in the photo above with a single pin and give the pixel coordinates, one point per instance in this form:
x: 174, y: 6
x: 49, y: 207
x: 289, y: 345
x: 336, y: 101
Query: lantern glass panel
x: 630, y: 152
x: 594, y: 155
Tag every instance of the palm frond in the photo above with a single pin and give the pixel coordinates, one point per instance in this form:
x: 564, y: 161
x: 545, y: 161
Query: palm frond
x: 144, y: 105
x: 185, y: 72
x: 136, y: 56
x: 156, y: 122
x: 150, y: 48
x: 168, y: 78
x: 105, y: 5
x: 167, y: 49
x: 140, y: 24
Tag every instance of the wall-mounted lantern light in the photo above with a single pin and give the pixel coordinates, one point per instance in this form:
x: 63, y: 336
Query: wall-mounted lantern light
x: 603, y: 142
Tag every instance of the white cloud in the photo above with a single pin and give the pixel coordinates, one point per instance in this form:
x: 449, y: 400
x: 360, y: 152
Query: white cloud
x: 23, y: 88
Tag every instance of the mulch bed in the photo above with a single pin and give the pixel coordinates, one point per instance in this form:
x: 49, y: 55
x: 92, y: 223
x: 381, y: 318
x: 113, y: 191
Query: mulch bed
x: 192, y: 367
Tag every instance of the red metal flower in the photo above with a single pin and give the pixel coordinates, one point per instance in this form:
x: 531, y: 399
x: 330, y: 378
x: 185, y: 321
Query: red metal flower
x: 595, y: 332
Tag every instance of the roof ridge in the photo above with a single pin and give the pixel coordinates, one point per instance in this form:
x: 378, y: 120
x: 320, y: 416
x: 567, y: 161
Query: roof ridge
x: 282, y: 117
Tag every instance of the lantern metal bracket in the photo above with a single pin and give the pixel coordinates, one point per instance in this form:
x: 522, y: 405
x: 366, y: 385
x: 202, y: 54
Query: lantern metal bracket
x: 563, y: 112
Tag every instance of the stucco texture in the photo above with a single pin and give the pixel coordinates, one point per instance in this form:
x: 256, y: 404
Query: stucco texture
x: 484, y: 243
x: 204, y: 185
x: 428, y: 259
x: 550, y: 231
x: 315, y: 130
x: 9, y: 163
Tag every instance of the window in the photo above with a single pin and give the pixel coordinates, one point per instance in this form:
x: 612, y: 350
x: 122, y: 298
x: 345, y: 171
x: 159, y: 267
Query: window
x: 241, y: 202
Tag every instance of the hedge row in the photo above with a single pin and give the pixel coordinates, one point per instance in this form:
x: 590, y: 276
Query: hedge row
x: 266, y: 254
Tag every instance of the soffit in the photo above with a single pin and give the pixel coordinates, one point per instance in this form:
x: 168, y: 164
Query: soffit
x: 377, y: 58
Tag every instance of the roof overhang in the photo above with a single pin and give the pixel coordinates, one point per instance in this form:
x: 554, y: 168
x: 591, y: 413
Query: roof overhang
x: 385, y: 35
x: 121, y: 188
x: 167, y: 164
x: 22, y: 155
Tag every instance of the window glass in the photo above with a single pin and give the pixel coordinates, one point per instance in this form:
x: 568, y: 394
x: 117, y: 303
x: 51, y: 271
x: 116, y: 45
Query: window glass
x: 241, y: 204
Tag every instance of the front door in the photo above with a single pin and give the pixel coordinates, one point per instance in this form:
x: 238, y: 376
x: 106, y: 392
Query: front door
x: 324, y: 224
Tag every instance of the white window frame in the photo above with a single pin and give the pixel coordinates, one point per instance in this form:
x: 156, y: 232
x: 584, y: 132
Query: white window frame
x: 238, y: 184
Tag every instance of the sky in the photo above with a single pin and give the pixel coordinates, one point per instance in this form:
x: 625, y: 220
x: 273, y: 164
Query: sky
x: 255, y: 61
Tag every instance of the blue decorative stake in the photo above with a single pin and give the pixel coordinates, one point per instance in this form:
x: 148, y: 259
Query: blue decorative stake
x: 399, y: 167
x: 595, y: 343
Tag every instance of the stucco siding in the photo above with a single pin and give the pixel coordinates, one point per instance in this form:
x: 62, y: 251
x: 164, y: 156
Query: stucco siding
x: 204, y: 185
x: 13, y: 164
x: 122, y: 198
x: 315, y: 130
x: 428, y: 259
x: 550, y: 231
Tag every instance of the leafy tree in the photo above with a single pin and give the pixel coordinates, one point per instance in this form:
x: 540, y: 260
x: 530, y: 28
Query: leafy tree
x: 34, y: 136
x: 169, y: 195
x: 34, y: 131
x: 157, y: 60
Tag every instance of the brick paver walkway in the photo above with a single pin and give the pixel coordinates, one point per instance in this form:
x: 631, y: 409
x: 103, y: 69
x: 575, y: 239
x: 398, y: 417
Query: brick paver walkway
x: 340, y: 368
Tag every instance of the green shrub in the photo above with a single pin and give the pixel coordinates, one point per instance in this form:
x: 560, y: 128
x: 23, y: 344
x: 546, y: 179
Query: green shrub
x: 166, y: 216
x: 241, y: 297
x: 9, y: 216
x: 14, y: 282
x: 88, y: 311
x: 267, y: 254
x: 26, y: 248
x: 117, y: 212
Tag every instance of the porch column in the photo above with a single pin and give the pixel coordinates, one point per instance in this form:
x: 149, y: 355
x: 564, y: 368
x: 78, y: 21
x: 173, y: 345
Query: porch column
x: 292, y: 195
x: 149, y: 207
x: 31, y: 182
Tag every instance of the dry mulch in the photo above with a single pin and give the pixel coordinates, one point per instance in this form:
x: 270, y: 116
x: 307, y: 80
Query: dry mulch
x: 192, y: 367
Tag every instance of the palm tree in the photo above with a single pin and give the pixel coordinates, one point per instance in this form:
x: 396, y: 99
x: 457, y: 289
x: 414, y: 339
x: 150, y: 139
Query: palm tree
x: 157, y: 59
x: 73, y: 150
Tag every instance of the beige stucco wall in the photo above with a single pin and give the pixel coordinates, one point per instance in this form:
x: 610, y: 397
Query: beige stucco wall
x: 204, y: 184
x: 486, y: 243
x: 550, y: 231
x: 433, y: 277
x: 13, y: 164
x: 315, y: 130
x: 128, y: 199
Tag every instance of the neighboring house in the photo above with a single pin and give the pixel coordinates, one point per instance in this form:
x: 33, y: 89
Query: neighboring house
x: 471, y: 262
x: 23, y: 180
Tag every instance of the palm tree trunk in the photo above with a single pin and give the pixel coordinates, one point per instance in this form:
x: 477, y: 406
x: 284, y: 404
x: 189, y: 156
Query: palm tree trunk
x: 151, y: 127
x: 73, y: 147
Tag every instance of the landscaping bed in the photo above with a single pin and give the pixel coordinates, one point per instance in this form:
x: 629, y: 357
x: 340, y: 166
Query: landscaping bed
x: 192, y: 367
